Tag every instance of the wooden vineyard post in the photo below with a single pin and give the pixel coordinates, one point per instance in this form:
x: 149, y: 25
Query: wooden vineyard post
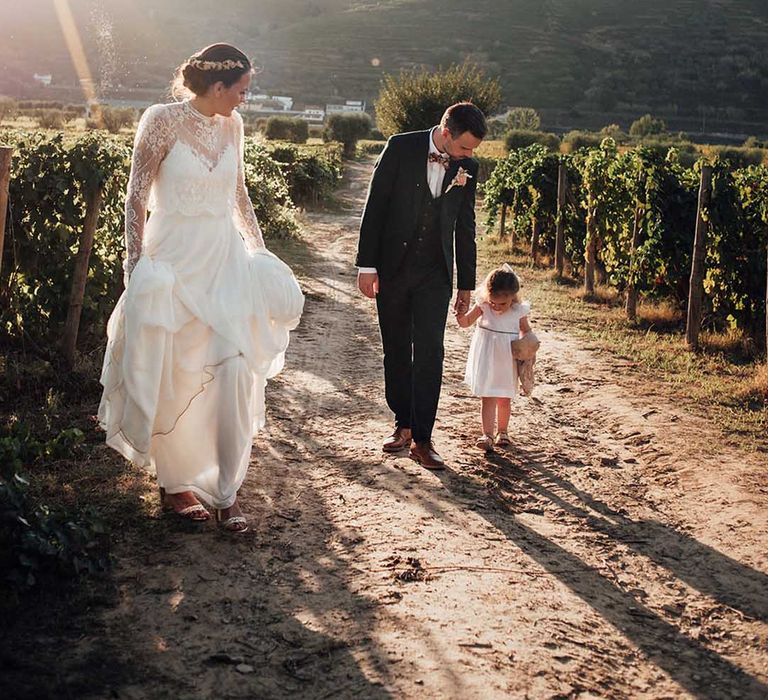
x: 503, y: 222
x: 80, y: 275
x: 590, y: 254
x: 5, y: 178
x: 696, y: 290
x: 631, y: 306
x: 535, y: 235
x: 562, y: 184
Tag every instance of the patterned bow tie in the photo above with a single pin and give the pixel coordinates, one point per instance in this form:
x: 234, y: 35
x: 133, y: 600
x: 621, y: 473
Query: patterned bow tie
x: 443, y: 158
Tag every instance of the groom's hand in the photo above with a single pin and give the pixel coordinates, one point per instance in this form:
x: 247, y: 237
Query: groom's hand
x: 461, y: 305
x: 368, y: 283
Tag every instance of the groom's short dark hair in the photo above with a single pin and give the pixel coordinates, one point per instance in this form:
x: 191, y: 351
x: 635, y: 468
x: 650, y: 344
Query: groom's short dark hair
x: 462, y: 117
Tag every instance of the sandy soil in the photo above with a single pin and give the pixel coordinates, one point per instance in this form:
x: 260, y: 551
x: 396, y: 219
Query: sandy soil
x: 616, y: 550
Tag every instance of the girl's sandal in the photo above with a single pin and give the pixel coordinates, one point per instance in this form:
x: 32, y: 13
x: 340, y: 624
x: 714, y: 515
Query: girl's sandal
x: 196, y: 512
x: 235, y: 523
x: 502, y: 439
x: 485, y: 443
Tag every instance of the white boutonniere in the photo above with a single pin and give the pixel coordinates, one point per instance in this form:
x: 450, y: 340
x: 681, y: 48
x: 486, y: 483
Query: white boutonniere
x: 459, y: 180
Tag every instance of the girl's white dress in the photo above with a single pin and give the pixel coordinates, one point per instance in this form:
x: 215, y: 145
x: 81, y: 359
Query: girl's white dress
x: 491, y: 369
x: 206, y: 313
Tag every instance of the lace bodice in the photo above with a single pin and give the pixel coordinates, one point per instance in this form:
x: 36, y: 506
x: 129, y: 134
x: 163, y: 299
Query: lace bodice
x: 187, y: 163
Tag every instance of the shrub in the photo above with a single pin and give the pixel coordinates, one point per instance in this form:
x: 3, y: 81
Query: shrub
x: 251, y: 129
x: 614, y: 132
x: 574, y: 140
x: 683, y: 152
x: 369, y: 147
x: 740, y: 157
x: 269, y: 191
x: 113, y: 119
x: 287, y: 129
x: 751, y: 142
x: 50, y: 175
x: 37, y: 541
x: 486, y: 165
x: 497, y: 129
x: 40, y: 104
x: 647, y: 126
x: 49, y: 180
x: 8, y: 108
x: 521, y: 139
x: 417, y: 99
x: 523, y: 119
x: 347, y: 128
x: 51, y: 119
x: 311, y: 172
x: 491, y: 148
x: 117, y: 118
x: 250, y: 124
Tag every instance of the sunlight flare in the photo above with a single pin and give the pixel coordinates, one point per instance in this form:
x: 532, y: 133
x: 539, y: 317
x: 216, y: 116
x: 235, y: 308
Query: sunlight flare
x: 75, y: 48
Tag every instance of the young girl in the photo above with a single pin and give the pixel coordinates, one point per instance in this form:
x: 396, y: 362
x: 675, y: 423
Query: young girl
x: 491, y: 371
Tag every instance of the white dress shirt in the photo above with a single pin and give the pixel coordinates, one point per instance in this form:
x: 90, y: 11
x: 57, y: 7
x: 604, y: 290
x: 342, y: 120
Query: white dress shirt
x: 435, y: 171
x: 435, y: 177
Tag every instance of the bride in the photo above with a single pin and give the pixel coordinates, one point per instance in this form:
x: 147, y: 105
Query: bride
x: 207, y: 310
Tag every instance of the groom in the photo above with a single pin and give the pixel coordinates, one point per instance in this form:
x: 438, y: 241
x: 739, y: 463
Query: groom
x: 420, y: 207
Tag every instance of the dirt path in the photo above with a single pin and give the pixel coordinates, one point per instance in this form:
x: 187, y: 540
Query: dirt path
x: 615, y: 551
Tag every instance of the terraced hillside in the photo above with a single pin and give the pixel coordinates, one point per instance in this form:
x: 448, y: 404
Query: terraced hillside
x: 703, y: 61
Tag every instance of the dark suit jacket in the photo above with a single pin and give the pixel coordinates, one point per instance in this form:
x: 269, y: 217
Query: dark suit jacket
x: 391, y: 213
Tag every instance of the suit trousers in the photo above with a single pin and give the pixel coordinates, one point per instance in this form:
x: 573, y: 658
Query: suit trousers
x: 412, y: 309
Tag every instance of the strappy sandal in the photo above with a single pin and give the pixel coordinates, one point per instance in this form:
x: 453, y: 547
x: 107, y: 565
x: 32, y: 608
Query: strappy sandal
x: 502, y: 439
x: 485, y: 443
x: 235, y: 523
x: 195, y: 512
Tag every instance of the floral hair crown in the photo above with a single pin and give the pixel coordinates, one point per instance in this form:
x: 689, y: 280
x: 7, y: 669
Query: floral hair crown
x: 229, y: 64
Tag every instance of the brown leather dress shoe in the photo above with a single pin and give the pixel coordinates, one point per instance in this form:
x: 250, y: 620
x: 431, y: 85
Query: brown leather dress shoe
x: 424, y: 453
x: 399, y: 440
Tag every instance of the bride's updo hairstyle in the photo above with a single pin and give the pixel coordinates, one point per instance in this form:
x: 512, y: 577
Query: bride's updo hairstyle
x: 215, y: 63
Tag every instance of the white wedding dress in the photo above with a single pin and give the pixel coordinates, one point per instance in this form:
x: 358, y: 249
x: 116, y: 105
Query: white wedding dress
x: 206, y: 313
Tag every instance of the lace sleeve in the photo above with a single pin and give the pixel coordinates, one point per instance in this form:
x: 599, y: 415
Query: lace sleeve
x: 245, y: 216
x: 154, y: 137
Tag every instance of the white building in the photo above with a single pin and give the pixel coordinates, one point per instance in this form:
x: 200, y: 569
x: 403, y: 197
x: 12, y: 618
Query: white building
x: 287, y: 102
x: 348, y: 106
x: 312, y: 114
x: 43, y: 79
x: 267, y: 103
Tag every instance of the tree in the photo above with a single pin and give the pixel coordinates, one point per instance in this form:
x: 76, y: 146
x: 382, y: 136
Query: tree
x: 416, y: 99
x: 523, y: 119
x: 349, y: 128
x: 647, y: 126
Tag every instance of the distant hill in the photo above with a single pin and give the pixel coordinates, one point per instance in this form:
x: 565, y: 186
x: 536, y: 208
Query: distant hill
x: 701, y: 64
